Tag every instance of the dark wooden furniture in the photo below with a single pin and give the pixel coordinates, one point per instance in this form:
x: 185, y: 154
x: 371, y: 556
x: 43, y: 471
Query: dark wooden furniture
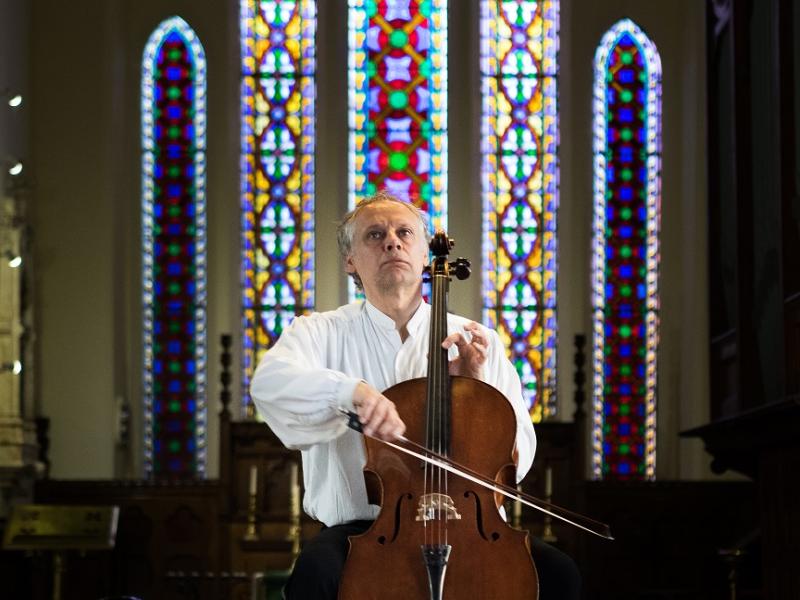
x: 754, y: 251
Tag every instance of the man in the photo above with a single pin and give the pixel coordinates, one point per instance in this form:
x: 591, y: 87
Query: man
x: 342, y: 359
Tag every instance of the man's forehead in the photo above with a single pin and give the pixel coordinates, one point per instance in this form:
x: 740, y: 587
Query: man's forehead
x: 380, y: 212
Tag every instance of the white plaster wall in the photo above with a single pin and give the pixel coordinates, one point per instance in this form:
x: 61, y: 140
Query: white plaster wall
x: 86, y: 126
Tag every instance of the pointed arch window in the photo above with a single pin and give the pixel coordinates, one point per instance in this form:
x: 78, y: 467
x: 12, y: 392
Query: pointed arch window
x: 278, y: 98
x: 519, y: 186
x: 626, y: 224
x: 174, y: 251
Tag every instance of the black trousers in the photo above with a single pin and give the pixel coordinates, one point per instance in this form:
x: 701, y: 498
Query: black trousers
x: 318, y: 568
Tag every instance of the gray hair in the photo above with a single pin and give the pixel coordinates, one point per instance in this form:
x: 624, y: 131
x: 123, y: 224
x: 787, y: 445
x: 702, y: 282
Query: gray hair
x: 346, y: 229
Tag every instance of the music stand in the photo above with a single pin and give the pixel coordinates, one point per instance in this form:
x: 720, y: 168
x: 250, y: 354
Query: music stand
x: 57, y: 529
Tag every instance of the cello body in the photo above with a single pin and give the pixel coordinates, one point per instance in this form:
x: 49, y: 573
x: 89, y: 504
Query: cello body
x: 489, y: 558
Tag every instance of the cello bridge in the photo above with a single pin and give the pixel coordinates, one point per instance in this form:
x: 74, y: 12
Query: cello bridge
x: 434, y: 507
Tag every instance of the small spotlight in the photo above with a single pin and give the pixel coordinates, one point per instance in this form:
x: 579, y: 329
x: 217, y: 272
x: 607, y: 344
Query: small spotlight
x: 15, y: 101
x: 11, y: 367
x: 13, y: 258
x: 15, y: 169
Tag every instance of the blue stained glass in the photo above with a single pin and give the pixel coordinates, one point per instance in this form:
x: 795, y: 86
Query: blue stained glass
x: 174, y: 73
x: 626, y: 76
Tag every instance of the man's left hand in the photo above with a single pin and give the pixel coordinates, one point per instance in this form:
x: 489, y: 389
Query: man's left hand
x: 471, y: 355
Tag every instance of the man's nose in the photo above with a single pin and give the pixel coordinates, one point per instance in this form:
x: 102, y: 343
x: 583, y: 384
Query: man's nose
x: 392, y: 242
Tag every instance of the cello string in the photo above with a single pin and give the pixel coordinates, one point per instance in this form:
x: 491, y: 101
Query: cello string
x: 437, y: 326
x: 445, y: 395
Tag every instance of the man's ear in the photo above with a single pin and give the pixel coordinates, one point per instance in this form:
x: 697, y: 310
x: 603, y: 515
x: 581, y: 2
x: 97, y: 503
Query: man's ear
x: 349, y: 267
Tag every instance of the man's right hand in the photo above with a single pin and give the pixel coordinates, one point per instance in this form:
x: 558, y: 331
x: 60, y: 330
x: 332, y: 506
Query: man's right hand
x: 378, y: 414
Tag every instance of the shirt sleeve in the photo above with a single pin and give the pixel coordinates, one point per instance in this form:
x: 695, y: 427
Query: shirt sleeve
x: 500, y: 373
x: 295, y: 392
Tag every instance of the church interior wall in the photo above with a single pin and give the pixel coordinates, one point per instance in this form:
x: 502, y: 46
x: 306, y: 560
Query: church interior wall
x: 85, y: 216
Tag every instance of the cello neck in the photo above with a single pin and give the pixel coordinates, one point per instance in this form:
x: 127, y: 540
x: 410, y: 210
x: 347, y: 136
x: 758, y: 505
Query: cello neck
x: 438, y: 389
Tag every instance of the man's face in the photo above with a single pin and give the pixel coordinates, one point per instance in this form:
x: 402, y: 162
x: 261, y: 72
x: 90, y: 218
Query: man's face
x: 389, y: 248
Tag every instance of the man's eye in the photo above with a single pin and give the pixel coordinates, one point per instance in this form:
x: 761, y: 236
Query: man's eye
x: 405, y: 232
x: 374, y: 235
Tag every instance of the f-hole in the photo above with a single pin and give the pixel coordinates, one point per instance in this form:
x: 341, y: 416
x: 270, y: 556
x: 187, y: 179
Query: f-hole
x: 397, y: 511
x: 479, y: 518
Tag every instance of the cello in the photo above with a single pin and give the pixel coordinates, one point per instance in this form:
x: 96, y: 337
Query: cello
x: 438, y: 536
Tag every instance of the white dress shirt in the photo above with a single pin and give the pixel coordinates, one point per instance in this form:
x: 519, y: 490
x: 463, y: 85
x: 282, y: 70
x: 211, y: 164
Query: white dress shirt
x: 313, y: 370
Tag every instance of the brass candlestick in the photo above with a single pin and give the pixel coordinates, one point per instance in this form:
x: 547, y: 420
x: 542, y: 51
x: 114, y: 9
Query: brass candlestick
x: 547, y: 533
x: 251, y: 533
x: 294, y: 507
x: 516, y: 511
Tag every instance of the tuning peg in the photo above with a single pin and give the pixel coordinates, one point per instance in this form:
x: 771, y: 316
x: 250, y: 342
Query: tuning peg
x: 461, y: 267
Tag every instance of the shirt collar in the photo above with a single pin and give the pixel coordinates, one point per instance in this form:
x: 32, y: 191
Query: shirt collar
x: 387, y: 323
x: 376, y: 316
x: 420, y: 318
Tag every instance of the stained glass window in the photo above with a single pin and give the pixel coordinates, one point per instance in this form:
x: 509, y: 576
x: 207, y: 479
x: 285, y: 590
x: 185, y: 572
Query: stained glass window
x: 174, y: 251
x: 398, y: 99
x: 277, y: 163
x: 627, y: 207
x: 519, y: 183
